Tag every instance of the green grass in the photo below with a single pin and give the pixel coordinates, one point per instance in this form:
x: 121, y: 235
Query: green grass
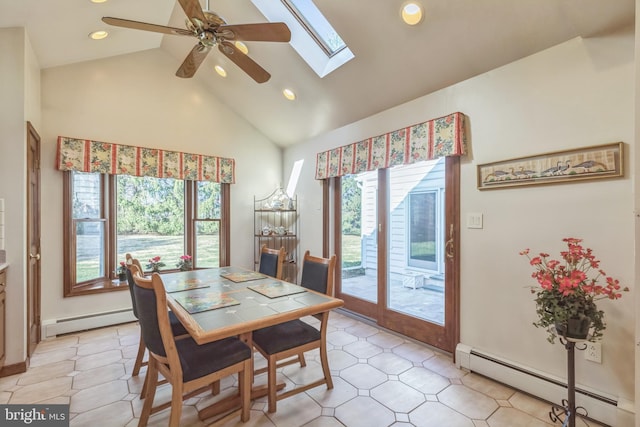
x: 425, y: 251
x: 351, y: 251
x: 168, y: 248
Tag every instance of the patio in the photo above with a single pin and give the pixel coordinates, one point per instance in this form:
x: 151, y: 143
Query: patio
x: 425, y: 301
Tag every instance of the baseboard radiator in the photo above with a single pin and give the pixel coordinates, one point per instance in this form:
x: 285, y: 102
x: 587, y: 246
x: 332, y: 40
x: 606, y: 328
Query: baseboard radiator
x: 52, y: 328
x: 605, y: 409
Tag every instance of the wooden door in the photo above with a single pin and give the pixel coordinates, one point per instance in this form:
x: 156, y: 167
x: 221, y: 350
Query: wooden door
x: 33, y: 239
x: 373, y: 270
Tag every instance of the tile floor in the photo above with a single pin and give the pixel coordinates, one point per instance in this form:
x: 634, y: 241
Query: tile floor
x: 380, y: 379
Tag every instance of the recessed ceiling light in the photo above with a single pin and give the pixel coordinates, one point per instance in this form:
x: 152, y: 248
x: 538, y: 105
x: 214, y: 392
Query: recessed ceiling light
x: 288, y: 93
x: 411, y: 13
x: 98, y: 35
x: 242, y: 47
x: 98, y: 1
x: 220, y: 70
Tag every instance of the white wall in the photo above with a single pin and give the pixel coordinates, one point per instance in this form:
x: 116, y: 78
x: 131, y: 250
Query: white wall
x: 19, y: 103
x: 130, y: 100
x: 576, y: 94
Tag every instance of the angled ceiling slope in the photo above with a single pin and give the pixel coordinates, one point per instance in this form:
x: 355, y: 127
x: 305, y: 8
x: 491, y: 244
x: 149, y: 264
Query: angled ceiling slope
x: 393, y: 63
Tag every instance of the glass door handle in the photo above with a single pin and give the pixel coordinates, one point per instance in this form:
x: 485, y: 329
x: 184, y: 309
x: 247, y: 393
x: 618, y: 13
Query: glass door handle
x: 448, y: 247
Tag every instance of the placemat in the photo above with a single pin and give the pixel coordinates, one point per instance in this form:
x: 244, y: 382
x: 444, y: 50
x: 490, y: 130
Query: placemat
x: 184, y: 285
x: 277, y: 289
x: 243, y: 276
x: 196, y: 302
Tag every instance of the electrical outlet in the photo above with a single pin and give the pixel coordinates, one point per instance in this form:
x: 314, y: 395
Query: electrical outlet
x: 593, y: 352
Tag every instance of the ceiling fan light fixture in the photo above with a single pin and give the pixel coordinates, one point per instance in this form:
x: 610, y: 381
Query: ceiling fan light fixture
x: 212, y: 31
x: 411, y: 13
x: 242, y: 47
x: 98, y: 35
x: 289, y: 94
x: 221, y: 71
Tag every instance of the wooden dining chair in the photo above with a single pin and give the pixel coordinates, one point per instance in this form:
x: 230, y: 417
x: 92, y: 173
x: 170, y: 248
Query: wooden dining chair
x: 271, y: 261
x: 185, y: 364
x: 285, y: 343
x: 176, y: 327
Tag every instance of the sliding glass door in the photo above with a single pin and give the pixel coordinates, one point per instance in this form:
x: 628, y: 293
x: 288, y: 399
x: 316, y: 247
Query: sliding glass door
x: 393, y: 247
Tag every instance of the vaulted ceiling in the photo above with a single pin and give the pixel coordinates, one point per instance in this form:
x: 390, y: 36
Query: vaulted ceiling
x: 394, y: 63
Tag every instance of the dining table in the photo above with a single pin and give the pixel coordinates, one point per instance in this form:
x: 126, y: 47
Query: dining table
x: 217, y: 303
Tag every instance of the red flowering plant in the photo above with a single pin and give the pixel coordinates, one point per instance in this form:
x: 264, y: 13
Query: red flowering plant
x: 568, y: 290
x: 122, y: 268
x: 155, y: 264
x: 185, y: 263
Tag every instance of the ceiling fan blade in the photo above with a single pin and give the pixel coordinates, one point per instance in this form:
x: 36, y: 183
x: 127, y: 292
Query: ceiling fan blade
x: 268, y: 32
x: 193, y: 10
x: 192, y: 61
x: 248, y: 65
x: 146, y: 27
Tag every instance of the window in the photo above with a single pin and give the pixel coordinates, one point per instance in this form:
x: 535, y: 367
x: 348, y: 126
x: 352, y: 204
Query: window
x: 312, y: 36
x: 207, y: 225
x: 316, y: 25
x: 111, y: 215
x: 423, y: 230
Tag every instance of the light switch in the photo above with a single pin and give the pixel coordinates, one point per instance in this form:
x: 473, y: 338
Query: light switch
x: 474, y: 220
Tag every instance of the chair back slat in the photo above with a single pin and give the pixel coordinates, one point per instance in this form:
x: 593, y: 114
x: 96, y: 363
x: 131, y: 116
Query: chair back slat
x: 130, y: 260
x: 318, y: 273
x: 314, y: 276
x: 269, y: 264
x: 132, y: 285
x: 147, y: 308
x: 271, y: 261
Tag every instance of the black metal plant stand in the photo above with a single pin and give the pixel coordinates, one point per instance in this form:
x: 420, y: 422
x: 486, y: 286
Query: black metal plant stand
x: 567, y: 413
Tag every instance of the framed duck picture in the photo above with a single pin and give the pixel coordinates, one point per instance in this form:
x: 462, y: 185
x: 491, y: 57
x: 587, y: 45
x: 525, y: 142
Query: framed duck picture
x: 597, y: 162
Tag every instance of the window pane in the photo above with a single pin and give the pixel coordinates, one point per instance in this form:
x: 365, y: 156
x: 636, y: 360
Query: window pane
x: 315, y: 22
x: 207, y: 244
x: 422, y: 227
x: 150, y: 219
x: 208, y: 200
x: 415, y: 284
x: 87, y: 195
x: 90, y: 251
x: 359, y: 235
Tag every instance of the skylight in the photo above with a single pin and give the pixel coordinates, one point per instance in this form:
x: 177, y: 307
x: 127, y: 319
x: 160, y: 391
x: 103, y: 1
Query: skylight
x: 316, y: 25
x: 312, y: 36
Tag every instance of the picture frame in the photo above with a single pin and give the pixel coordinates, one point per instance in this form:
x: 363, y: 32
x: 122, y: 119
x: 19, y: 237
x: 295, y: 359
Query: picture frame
x: 595, y: 162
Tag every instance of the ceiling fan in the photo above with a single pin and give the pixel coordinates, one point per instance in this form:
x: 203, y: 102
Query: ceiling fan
x: 211, y: 30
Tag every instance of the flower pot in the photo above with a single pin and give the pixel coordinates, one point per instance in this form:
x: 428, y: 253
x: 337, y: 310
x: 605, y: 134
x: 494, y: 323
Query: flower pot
x: 122, y: 277
x: 575, y: 328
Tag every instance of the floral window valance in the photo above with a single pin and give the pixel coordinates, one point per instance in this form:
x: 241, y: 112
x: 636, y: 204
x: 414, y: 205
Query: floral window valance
x: 94, y: 156
x: 435, y: 138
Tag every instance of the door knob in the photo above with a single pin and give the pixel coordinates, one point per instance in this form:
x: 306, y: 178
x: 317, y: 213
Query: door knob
x: 36, y: 256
